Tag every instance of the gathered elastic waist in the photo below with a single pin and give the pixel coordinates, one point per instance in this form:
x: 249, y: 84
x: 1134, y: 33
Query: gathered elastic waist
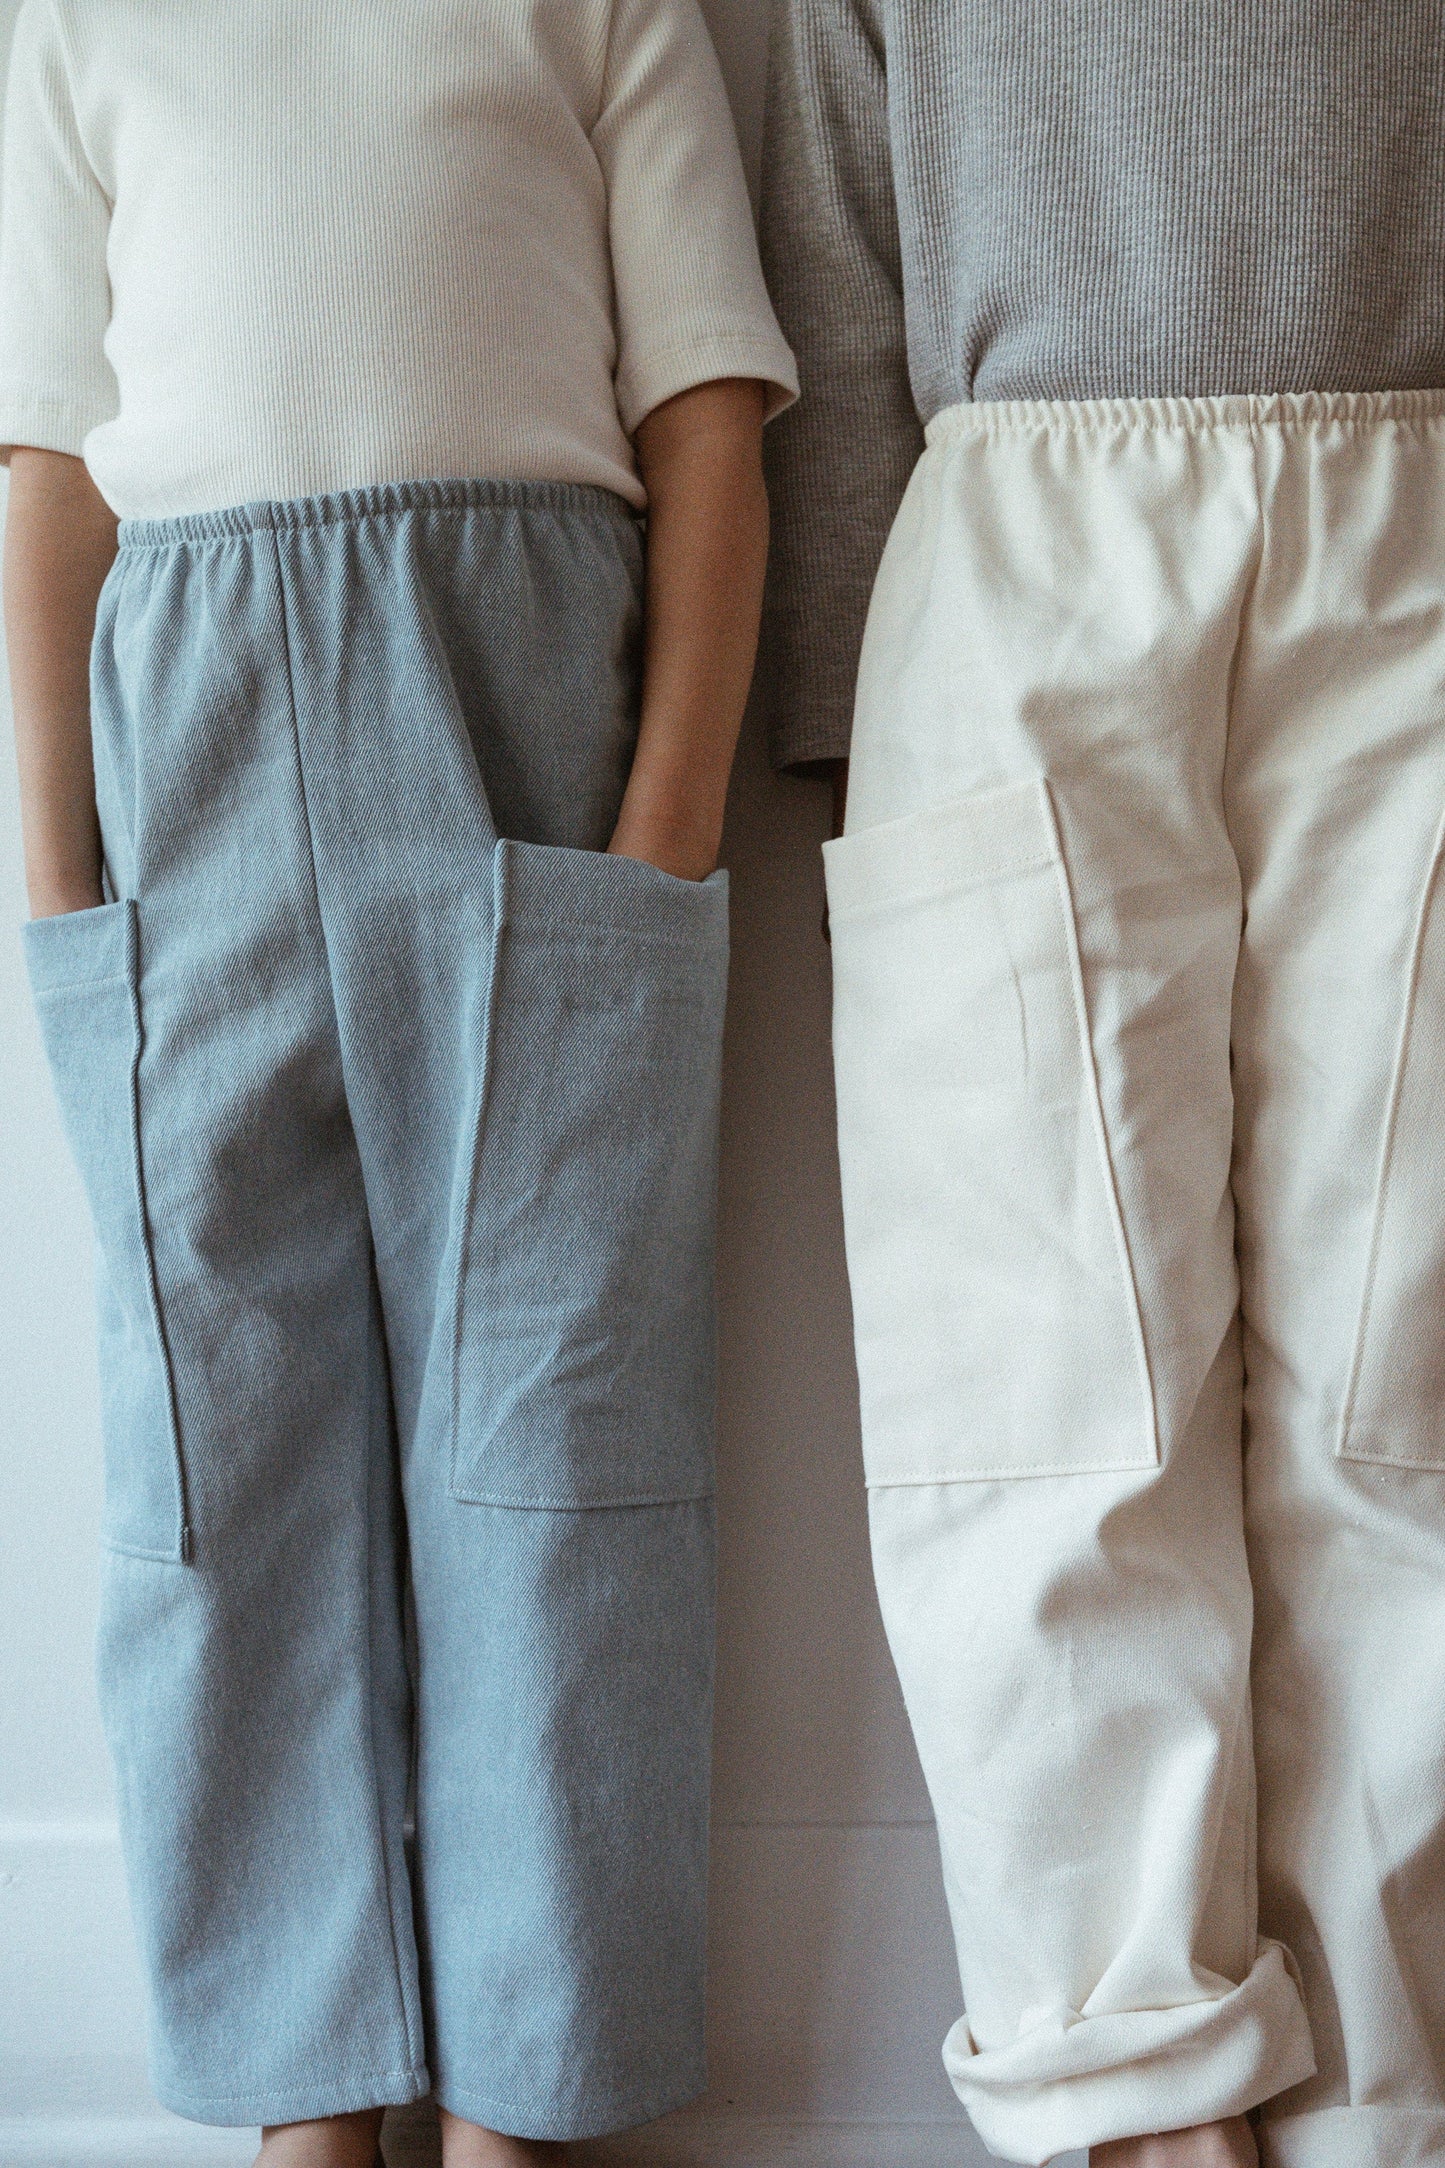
x: 1242, y: 410
x: 379, y: 501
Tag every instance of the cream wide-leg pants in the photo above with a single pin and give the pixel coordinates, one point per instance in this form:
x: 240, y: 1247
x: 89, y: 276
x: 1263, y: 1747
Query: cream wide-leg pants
x: 1139, y: 942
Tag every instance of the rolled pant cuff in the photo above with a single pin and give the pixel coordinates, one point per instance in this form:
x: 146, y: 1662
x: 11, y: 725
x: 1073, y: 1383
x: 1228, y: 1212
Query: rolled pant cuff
x: 261, y: 2107
x: 1354, y: 2138
x: 1078, y: 2080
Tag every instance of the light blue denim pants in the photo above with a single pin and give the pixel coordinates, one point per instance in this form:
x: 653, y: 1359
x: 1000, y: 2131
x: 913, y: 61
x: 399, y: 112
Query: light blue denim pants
x: 400, y: 1141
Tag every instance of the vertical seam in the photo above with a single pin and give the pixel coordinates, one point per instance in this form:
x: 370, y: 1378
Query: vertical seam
x: 475, y: 1132
x: 1386, y: 1161
x: 1133, y: 1302
x: 1246, y: 600
x: 132, y: 960
x: 1251, y: 1834
x: 286, y: 657
x: 414, y: 2051
x: 116, y: 581
x: 604, y: 77
x: 1246, y: 594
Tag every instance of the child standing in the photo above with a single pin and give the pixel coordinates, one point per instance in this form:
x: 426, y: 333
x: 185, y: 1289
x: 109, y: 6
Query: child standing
x: 372, y: 794
x: 1125, y: 326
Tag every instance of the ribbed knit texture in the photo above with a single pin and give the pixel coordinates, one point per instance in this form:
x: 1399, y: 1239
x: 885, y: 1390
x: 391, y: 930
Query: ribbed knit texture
x: 333, y: 243
x: 1072, y: 199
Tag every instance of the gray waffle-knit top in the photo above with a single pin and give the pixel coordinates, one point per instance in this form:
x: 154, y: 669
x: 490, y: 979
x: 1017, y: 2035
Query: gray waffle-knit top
x: 1071, y: 199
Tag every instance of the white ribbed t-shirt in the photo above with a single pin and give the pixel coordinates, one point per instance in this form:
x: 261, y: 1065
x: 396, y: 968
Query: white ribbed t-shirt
x: 271, y: 248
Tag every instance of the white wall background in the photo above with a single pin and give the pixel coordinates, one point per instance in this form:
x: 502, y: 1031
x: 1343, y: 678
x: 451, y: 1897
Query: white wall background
x: 833, y: 1978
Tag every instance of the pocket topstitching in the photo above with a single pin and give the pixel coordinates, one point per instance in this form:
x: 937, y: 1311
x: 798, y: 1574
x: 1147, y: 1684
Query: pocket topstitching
x: 1394, y: 1408
x: 582, y: 1356
x: 84, y: 974
x: 997, y: 1322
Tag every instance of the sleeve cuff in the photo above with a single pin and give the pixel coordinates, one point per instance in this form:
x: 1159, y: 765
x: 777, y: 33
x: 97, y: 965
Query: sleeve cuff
x: 800, y: 741
x: 645, y: 382
x: 43, y: 425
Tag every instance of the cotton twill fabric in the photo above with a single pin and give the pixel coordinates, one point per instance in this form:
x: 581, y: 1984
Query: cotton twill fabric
x: 400, y: 1140
x: 1140, y: 1031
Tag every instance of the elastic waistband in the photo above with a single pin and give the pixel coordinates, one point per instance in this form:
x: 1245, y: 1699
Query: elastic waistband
x: 1244, y: 410
x: 380, y: 501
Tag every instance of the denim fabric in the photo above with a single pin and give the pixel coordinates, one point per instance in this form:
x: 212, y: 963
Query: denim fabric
x: 400, y: 1141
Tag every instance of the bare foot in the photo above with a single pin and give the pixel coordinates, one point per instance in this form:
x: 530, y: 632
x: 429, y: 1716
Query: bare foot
x: 337, y: 2141
x: 468, y: 2145
x: 1208, y: 2145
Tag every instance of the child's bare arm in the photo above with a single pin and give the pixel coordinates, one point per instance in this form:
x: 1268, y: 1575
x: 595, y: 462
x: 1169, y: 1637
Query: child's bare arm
x: 700, y: 455
x: 59, y: 545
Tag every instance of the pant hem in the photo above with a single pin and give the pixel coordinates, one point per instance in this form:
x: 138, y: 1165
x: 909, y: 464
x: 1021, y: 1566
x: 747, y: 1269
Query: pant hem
x: 249, y: 2110
x: 550, y: 2120
x: 1123, y: 2073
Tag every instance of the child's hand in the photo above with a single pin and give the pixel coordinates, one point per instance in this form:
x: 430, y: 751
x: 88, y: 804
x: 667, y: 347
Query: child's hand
x: 669, y: 838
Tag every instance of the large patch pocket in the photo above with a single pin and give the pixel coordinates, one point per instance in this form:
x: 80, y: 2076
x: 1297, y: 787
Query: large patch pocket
x: 1394, y: 1409
x: 997, y: 1325
x: 84, y: 975
x: 583, y: 1356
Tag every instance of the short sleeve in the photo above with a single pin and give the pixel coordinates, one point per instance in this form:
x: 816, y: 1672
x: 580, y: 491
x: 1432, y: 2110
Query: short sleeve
x: 839, y: 463
x: 55, y: 382
x: 691, y: 303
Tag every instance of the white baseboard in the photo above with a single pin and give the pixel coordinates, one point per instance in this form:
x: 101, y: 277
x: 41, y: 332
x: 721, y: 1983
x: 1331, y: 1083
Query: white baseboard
x: 737, y: 2142
x: 698, y: 2139
x: 680, y: 2142
x: 132, y: 2141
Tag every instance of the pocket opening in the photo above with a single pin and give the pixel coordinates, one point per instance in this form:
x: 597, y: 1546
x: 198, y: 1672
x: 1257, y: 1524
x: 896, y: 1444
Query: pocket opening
x: 88, y: 961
